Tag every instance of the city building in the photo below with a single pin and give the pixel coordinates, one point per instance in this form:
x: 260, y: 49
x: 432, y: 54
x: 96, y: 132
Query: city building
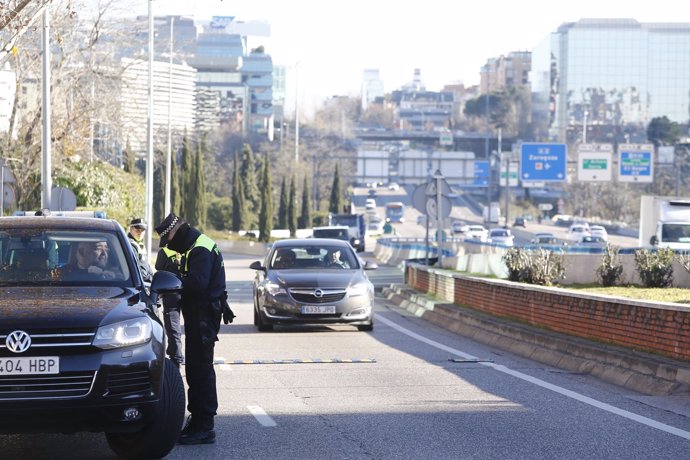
x: 8, y: 86
x: 372, y: 87
x: 610, y: 77
x: 505, y: 72
x: 417, y: 109
x: 179, y: 79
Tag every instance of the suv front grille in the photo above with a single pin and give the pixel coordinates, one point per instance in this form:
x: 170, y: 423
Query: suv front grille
x: 309, y: 295
x: 62, y: 385
x: 50, y: 338
x: 126, y: 381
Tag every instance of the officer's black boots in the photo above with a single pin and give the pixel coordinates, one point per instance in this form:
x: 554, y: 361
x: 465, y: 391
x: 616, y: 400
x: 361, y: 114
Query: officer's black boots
x: 197, y: 431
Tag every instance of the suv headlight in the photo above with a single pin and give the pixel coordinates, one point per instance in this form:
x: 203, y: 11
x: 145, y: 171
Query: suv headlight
x: 358, y: 289
x: 123, y: 334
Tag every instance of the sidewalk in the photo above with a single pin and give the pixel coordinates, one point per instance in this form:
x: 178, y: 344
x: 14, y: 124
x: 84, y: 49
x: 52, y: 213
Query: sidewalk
x: 645, y: 373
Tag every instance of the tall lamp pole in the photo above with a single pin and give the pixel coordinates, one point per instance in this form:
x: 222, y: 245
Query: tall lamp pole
x: 46, y: 179
x: 296, y: 113
x: 168, y: 157
x: 149, y: 143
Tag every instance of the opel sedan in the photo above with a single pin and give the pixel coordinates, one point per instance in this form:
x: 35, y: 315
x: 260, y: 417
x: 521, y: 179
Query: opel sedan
x: 313, y: 281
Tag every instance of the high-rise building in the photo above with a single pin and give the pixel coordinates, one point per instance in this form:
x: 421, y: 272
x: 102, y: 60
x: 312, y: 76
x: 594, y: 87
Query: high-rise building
x: 372, y: 87
x: 611, y: 77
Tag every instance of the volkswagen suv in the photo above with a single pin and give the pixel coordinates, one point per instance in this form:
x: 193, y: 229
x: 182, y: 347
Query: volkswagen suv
x: 81, y: 344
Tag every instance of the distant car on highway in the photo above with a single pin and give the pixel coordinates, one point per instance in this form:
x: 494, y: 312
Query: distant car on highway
x: 598, y: 230
x: 547, y: 239
x: 477, y: 233
x: 370, y: 204
x: 576, y: 231
x: 519, y: 222
x: 393, y: 186
x: 501, y: 236
x: 375, y: 227
x: 459, y: 227
x: 591, y: 241
x: 372, y: 193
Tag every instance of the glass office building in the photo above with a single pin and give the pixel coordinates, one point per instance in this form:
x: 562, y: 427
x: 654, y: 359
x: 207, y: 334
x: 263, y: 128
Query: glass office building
x: 611, y: 77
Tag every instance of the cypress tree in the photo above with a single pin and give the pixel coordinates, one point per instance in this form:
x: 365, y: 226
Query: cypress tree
x: 292, y: 212
x: 187, y: 178
x: 199, y: 192
x: 249, y: 179
x: 237, y: 200
x: 175, y: 198
x: 336, y: 204
x: 158, y: 194
x: 129, y: 163
x: 283, y: 209
x: 305, y: 218
x: 266, y: 215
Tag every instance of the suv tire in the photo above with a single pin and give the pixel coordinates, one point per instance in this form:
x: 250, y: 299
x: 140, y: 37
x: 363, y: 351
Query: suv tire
x: 157, y: 439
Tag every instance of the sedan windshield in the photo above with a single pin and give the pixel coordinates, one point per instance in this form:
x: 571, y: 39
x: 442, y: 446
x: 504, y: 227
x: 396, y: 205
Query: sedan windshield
x: 313, y: 258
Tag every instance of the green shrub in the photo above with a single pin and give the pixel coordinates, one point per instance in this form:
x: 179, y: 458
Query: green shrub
x: 536, y: 267
x: 518, y: 262
x: 655, y: 267
x: 547, y: 267
x: 611, y: 268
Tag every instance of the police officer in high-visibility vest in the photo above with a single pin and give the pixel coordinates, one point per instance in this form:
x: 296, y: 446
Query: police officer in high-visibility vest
x: 137, y: 227
x: 169, y: 261
x: 203, y: 293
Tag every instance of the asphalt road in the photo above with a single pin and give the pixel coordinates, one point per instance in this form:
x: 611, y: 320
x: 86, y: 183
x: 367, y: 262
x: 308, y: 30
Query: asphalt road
x: 412, y: 390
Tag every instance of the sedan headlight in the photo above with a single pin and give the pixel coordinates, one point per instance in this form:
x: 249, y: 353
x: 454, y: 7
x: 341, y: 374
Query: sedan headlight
x: 123, y: 334
x: 274, y: 289
x: 358, y: 289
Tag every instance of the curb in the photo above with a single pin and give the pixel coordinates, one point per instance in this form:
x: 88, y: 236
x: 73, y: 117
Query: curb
x: 642, y: 372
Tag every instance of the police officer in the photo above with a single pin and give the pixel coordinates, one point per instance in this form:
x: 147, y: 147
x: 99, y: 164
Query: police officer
x: 169, y: 261
x: 203, y: 290
x: 137, y: 227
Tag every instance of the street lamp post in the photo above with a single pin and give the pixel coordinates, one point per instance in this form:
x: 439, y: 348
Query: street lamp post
x: 168, y: 157
x: 296, y: 113
x: 149, y: 162
x: 584, y: 127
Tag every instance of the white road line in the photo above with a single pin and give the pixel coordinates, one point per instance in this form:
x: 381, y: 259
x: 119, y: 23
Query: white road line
x: 261, y: 416
x: 549, y: 386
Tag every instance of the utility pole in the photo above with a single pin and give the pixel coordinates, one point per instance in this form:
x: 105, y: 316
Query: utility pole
x: 149, y: 144
x: 46, y: 179
x: 168, y: 157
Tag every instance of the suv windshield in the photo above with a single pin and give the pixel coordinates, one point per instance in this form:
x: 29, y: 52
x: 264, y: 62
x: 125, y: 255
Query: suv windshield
x: 56, y: 257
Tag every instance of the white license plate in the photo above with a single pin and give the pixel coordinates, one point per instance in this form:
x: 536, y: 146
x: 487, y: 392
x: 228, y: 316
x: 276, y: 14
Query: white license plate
x: 318, y: 309
x: 33, y: 365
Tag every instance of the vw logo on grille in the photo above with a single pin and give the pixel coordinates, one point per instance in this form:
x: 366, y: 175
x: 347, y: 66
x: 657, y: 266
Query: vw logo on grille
x: 318, y: 293
x: 18, y: 341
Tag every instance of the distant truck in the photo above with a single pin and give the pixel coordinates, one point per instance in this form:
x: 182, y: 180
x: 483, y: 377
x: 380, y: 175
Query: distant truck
x: 338, y: 232
x: 664, y: 222
x: 492, y: 213
x: 356, y: 225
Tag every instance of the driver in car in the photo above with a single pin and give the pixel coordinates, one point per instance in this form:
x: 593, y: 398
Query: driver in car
x: 90, y: 263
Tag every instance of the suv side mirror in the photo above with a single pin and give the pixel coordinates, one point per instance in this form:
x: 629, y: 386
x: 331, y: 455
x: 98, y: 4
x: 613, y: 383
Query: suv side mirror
x: 164, y: 282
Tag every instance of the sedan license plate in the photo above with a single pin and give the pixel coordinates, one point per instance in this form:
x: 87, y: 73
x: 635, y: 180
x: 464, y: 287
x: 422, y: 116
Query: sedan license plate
x: 33, y: 365
x: 318, y: 309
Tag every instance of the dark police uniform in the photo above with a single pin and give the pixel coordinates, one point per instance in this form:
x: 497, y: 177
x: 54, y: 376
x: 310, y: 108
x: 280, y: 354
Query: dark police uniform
x: 167, y: 260
x: 203, y: 293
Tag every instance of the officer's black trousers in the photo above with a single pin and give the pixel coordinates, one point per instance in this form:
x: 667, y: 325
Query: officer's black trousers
x: 173, y: 331
x: 202, y: 399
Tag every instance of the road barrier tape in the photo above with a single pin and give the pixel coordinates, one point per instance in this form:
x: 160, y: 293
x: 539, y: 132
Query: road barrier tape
x: 298, y: 361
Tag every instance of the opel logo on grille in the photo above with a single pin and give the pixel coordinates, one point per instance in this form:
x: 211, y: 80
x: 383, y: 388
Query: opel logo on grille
x: 318, y: 293
x: 18, y: 341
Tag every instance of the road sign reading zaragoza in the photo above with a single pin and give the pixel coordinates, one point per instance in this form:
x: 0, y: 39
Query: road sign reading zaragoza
x: 543, y: 162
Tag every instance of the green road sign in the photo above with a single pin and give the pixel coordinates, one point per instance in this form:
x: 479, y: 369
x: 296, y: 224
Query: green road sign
x: 595, y: 163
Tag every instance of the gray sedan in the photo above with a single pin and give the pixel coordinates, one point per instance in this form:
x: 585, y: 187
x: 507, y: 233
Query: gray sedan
x: 312, y: 281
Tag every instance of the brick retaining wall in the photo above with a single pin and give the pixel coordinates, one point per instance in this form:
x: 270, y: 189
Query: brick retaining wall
x: 661, y: 328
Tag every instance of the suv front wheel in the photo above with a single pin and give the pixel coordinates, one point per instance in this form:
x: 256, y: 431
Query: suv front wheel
x: 158, y: 438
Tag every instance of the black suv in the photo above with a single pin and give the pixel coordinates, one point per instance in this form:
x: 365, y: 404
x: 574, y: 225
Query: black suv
x: 81, y: 345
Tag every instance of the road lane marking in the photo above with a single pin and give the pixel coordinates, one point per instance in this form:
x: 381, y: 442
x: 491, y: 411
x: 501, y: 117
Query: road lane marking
x: 261, y: 416
x: 222, y: 361
x: 549, y: 386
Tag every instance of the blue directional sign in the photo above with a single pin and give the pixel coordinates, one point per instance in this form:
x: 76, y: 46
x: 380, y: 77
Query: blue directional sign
x: 543, y: 162
x: 635, y: 162
x: 481, y: 174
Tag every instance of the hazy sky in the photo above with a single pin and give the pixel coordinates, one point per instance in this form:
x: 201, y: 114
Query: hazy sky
x: 449, y: 40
